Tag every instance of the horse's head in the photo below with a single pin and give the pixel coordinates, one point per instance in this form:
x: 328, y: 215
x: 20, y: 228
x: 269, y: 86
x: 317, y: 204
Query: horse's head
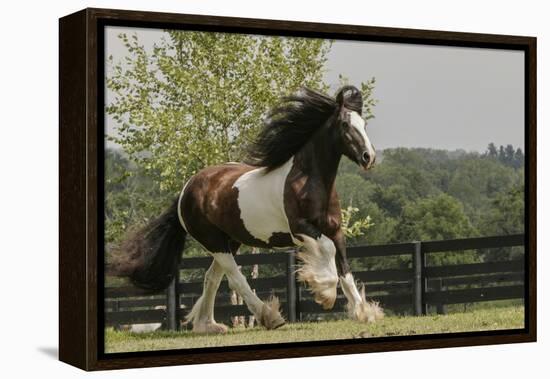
x: 351, y: 128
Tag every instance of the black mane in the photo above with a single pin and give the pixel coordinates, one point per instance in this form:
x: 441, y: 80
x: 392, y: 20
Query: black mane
x: 293, y: 122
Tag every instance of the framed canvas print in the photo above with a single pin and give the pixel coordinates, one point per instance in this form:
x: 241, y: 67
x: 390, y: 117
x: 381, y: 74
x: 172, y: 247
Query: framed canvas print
x: 238, y: 189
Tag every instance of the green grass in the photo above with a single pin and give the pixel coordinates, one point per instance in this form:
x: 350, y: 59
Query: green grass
x: 510, y: 317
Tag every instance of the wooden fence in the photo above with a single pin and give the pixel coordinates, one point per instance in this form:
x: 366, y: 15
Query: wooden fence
x: 414, y: 287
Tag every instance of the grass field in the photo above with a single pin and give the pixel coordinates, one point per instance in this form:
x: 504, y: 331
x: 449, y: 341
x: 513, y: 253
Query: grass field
x: 510, y: 317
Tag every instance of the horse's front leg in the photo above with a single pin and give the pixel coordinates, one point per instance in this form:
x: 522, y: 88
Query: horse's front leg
x: 318, y: 267
x: 358, y: 307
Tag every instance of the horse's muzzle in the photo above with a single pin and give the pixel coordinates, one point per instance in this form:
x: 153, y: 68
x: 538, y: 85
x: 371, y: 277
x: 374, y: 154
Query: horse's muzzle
x: 367, y: 160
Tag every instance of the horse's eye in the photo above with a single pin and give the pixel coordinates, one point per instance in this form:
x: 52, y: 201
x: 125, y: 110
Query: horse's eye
x: 345, y: 124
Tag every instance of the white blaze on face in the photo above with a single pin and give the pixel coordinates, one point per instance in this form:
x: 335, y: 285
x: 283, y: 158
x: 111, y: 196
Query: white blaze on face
x: 261, y: 201
x: 358, y: 123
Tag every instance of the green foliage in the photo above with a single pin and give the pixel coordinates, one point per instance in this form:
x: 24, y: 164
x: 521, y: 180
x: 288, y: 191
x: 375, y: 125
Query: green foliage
x: 506, y: 155
x: 507, y: 214
x: 131, y: 197
x: 357, y: 227
x: 439, y: 217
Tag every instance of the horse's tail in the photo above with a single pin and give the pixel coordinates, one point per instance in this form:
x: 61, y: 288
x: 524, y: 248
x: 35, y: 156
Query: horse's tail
x: 150, y: 255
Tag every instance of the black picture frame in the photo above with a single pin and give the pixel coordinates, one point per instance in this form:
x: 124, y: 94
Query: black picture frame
x: 81, y: 265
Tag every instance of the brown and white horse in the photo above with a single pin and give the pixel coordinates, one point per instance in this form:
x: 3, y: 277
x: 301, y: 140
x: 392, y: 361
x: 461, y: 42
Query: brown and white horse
x: 284, y: 196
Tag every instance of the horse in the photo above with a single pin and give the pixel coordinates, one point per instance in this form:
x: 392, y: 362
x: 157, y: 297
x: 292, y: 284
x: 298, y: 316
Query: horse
x: 281, y: 196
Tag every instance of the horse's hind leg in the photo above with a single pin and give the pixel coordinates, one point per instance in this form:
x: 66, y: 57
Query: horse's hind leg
x: 202, y: 314
x: 267, y: 314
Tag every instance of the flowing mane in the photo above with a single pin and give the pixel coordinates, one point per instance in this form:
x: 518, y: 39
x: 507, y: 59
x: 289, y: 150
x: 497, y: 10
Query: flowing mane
x: 289, y: 126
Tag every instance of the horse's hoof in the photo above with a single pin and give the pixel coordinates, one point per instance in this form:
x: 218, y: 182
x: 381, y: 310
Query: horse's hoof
x: 366, y: 311
x: 210, y: 327
x: 271, y: 317
x: 279, y: 324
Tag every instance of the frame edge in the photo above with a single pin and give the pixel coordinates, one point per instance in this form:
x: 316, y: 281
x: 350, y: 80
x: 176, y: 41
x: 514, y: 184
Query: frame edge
x: 72, y: 190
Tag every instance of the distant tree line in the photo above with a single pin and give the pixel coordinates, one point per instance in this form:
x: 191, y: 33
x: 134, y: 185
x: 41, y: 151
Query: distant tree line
x: 506, y: 155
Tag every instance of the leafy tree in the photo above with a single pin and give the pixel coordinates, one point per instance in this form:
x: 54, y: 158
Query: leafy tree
x: 128, y: 195
x: 435, y: 218
x: 439, y: 217
x: 491, y: 151
x: 519, y: 159
x: 356, y: 228
x: 507, y: 214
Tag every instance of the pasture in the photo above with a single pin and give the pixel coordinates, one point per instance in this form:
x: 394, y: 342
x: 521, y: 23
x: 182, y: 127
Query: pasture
x: 482, y: 319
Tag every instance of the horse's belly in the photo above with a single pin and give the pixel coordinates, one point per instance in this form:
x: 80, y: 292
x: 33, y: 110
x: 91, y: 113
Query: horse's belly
x: 261, y: 203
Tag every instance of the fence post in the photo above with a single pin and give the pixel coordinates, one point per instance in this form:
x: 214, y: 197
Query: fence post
x: 418, y: 280
x: 173, y: 302
x: 291, y: 287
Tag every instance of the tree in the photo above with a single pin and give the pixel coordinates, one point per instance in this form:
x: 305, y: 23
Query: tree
x: 507, y: 214
x: 519, y: 158
x: 197, y: 98
x: 439, y: 217
x: 128, y: 195
x: 509, y: 153
x: 356, y: 228
x: 491, y: 151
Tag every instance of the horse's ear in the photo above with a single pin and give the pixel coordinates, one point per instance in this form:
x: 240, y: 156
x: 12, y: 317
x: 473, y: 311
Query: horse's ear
x: 351, y: 98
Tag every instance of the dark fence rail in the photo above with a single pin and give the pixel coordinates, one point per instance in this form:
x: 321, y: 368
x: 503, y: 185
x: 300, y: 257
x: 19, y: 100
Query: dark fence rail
x: 412, y: 289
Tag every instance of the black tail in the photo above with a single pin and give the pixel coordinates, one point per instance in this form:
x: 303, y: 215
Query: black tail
x: 150, y: 256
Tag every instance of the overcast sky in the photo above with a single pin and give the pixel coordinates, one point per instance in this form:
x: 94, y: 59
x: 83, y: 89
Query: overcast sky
x: 429, y: 96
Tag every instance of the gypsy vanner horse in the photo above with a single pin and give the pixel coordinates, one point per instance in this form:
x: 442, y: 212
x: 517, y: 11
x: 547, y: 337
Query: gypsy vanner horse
x: 283, y: 196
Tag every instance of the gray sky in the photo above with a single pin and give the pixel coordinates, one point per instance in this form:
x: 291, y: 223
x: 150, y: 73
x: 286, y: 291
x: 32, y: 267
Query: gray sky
x: 429, y: 96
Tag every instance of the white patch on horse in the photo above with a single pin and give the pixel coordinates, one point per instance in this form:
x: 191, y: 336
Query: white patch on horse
x: 359, y: 124
x: 180, y: 215
x: 261, y: 201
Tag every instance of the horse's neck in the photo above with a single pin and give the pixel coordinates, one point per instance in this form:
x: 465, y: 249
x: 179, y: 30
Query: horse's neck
x: 319, y: 160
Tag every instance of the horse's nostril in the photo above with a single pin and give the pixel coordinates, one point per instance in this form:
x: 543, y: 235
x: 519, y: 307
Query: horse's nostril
x: 366, y: 157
